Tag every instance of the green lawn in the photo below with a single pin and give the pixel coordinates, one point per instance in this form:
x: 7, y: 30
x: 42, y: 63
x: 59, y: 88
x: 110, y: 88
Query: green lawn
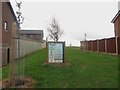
x: 82, y: 70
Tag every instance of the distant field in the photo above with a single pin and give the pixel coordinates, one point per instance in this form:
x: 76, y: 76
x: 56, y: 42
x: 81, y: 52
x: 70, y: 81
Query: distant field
x: 82, y: 70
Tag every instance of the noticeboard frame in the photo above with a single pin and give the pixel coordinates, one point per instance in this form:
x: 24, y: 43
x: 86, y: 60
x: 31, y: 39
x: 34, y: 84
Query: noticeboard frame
x: 47, y: 51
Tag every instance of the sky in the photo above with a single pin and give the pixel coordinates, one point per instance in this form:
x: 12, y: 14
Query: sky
x: 74, y: 17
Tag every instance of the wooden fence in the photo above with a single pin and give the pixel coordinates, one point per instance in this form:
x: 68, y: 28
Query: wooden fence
x: 106, y: 45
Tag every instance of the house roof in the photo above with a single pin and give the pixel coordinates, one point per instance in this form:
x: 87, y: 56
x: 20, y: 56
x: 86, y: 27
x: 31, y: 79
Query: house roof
x: 116, y: 16
x: 31, y: 32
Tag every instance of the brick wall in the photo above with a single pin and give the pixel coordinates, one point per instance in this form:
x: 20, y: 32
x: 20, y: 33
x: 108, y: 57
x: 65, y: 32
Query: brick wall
x: 8, y: 17
x: 117, y: 26
x: 5, y: 41
x: 0, y: 33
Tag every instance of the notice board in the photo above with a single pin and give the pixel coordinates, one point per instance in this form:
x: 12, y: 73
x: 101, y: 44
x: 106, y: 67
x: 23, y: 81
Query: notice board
x: 55, y: 52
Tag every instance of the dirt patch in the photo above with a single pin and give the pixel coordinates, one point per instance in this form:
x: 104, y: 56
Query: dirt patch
x: 21, y: 82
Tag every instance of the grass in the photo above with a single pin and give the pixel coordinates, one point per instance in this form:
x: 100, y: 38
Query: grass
x: 82, y: 70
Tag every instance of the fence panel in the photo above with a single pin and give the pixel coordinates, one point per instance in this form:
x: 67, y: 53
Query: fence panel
x: 99, y: 45
x: 89, y: 45
x: 29, y: 45
x: 102, y: 45
x: 95, y: 45
x: 111, y: 45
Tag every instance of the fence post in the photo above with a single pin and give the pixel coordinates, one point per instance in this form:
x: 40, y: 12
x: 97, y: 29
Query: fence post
x: 116, y: 45
x: 84, y: 42
x: 98, y: 45
x: 86, y: 45
x: 47, y: 52
x: 105, y: 45
x: 91, y: 45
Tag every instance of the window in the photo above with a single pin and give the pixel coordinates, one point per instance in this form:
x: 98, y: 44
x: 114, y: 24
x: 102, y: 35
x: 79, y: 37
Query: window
x: 5, y: 25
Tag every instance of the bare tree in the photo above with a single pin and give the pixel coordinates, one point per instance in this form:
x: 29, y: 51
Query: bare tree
x: 20, y: 20
x: 54, y: 30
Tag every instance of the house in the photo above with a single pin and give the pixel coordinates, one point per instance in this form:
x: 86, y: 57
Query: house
x: 32, y: 34
x: 116, y: 21
x: 7, y: 20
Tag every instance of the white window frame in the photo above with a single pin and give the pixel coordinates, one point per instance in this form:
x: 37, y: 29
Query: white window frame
x: 5, y: 25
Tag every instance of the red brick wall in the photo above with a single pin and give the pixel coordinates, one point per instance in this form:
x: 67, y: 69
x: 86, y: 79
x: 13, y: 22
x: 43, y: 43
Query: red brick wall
x: 117, y: 26
x: 0, y: 33
x: 35, y: 37
x: 6, y: 35
x: 0, y: 24
x: 8, y: 17
x: 4, y: 56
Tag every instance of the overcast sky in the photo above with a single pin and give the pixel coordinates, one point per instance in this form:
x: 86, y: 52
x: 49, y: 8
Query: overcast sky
x: 75, y: 18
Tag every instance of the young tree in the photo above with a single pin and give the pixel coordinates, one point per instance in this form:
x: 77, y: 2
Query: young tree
x: 54, y: 30
x: 20, y: 20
